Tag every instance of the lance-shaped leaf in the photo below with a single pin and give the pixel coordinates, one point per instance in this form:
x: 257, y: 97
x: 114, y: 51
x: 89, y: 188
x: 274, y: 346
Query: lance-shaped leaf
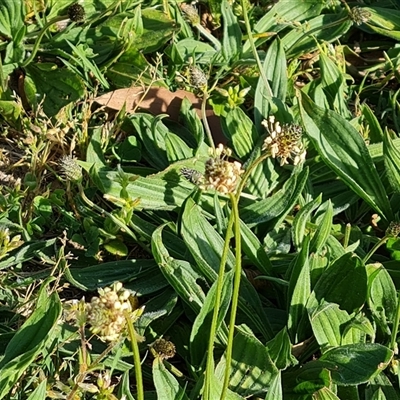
x: 343, y: 149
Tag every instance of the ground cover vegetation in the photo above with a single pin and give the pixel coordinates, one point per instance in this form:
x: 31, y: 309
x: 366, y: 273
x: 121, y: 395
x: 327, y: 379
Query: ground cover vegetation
x: 199, y: 200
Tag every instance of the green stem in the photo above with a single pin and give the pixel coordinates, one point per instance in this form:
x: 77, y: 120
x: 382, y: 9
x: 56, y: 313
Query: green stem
x: 235, y: 294
x: 40, y: 37
x: 393, y: 343
x: 213, y: 329
x: 375, y: 248
x: 136, y: 358
x: 205, y: 121
x: 253, y: 48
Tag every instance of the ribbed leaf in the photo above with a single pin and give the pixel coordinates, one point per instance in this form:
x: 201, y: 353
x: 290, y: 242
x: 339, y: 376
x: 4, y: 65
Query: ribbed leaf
x: 232, y: 36
x: 301, y: 219
x: 249, y: 354
x: 206, y: 246
x: 356, y: 363
x: 323, y: 231
x: 346, y: 275
x: 29, y: 341
x: 274, y: 67
x: 342, y: 148
x: 180, y: 275
x: 240, y: 129
x: 328, y: 322
x: 299, y: 291
x: 334, y: 85
x: 382, y: 296
x: 391, y: 156
x: 275, y: 19
x: 322, y: 28
x: 166, y: 384
x: 278, y: 204
x: 275, y: 389
x: 201, y: 327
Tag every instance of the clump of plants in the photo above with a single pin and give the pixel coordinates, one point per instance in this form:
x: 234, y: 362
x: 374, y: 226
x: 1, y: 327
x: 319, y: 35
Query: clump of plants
x: 199, y: 201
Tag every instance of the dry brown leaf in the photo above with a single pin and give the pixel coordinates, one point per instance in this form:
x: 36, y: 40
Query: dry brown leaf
x: 158, y: 100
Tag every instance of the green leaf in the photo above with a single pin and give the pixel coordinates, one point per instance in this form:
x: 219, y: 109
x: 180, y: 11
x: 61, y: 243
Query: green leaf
x: 95, y: 276
x: 391, y: 156
x: 324, y: 28
x: 354, y: 364
x: 274, y: 67
x: 383, y: 21
x: 249, y: 354
x: 328, y: 322
x: 191, y: 120
x: 125, y: 388
x: 95, y: 152
x: 239, y: 128
x: 334, y: 85
x: 26, y: 252
x: 40, y: 392
x: 300, y: 384
x: 10, y: 110
x: 157, y: 30
x: 180, y: 274
x: 382, y: 296
x: 30, y: 340
x: 299, y: 292
x: 167, y: 386
x: 53, y: 86
x: 81, y: 58
x: 127, y: 70
x: 375, y: 130
x: 232, y: 34
x: 204, y: 243
x: 254, y: 250
x: 12, y: 17
x: 346, y: 275
x: 275, y: 389
x: 301, y: 219
x: 280, y: 350
x: 158, y: 306
x: 275, y: 19
x: 381, y: 382
x: 166, y: 190
x: 199, y: 335
x: 323, y: 231
x: 206, y: 247
x: 325, y: 394
x: 176, y: 148
x: 162, y: 146
x: 342, y: 148
x: 185, y: 49
x: 278, y: 204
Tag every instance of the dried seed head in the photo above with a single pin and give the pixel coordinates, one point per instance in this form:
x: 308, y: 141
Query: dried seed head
x: 359, y: 15
x: 393, y: 229
x: 70, y: 169
x: 107, y: 313
x: 76, y: 12
x: 164, y: 348
x: 221, y: 174
x: 197, y: 78
x: 191, y: 13
x: 284, y: 141
x: 192, y: 175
